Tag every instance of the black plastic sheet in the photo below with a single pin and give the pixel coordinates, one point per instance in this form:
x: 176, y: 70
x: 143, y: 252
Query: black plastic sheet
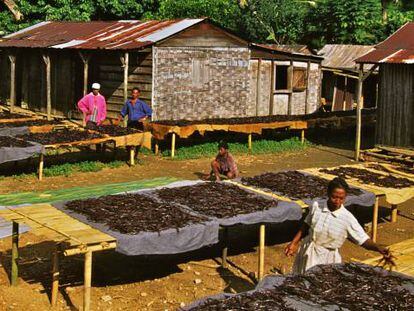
x: 9, y: 154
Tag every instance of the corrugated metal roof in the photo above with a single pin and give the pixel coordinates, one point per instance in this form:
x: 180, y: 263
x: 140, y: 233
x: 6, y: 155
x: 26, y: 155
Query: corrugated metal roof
x: 342, y: 56
x: 283, y: 49
x: 114, y: 35
x: 397, y: 48
x: 295, y: 48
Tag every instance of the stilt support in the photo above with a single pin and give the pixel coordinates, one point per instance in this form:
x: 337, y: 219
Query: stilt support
x: 249, y: 141
x: 375, y: 220
x: 15, y: 254
x: 132, y: 156
x: 394, y: 212
x: 41, y: 164
x: 262, y: 235
x: 87, y: 281
x: 55, y: 277
x: 173, y: 145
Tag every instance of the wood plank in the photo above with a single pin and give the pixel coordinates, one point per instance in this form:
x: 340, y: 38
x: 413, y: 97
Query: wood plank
x: 136, y: 70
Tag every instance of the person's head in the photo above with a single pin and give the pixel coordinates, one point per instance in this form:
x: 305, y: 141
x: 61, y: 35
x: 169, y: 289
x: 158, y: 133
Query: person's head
x: 223, y: 148
x: 95, y: 88
x: 337, y: 191
x: 135, y: 93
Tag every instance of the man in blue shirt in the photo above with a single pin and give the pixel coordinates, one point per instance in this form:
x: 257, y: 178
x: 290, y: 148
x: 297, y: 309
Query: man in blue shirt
x: 137, y: 110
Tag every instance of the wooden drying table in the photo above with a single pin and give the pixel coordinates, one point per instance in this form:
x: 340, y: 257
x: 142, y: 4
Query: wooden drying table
x: 262, y: 230
x: 132, y: 140
x: 404, y: 253
x: 405, y: 194
x: 71, y: 236
x: 159, y: 131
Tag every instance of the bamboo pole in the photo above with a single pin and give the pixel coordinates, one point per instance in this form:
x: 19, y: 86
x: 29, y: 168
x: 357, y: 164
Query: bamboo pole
x: 173, y: 146
x: 394, y: 212
x: 126, y: 68
x: 82, y: 249
x: 12, y: 59
x: 358, y: 113
x: 46, y: 59
x: 375, y: 220
x: 41, y: 164
x: 15, y: 254
x: 262, y: 233
x: 55, y: 277
x: 157, y: 148
x: 249, y: 142
x: 87, y: 281
x: 224, y: 263
x: 132, y: 156
x: 302, y: 136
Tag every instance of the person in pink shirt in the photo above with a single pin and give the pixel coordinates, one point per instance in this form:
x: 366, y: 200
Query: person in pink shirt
x: 93, y: 107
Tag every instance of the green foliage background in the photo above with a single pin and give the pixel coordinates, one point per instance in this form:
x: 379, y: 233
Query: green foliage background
x: 312, y: 22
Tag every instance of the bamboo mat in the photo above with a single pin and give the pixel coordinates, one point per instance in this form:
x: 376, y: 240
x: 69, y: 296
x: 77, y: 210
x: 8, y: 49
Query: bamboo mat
x: 392, y: 195
x: 46, y: 220
x: 81, y: 192
x: 404, y: 253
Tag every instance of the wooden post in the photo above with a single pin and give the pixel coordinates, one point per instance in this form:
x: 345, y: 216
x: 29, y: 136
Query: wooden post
x: 394, y: 212
x: 41, y: 164
x: 259, y: 62
x: 87, y: 281
x: 302, y: 136
x: 345, y: 91
x: 132, y: 156
x: 307, y: 86
x: 55, y: 277
x: 224, y: 263
x: 12, y: 59
x: 358, y: 113
x: 157, y: 148
x: 249, y: 142
x: 85, y: 59
x: 173, y: 145
x: 262, y: 233
x: 46, y: 59
x: 15, y: 254
x: 272, y: 87
x: 125, y: 64
x: 290, y: 87
x: 375, y: 220
x: 334, y: 91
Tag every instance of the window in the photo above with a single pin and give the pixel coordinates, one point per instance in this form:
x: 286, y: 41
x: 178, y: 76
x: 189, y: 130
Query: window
x: 299, y: 79
x: 200, y: 74
x: 288, y: 78
x: 281, y: 77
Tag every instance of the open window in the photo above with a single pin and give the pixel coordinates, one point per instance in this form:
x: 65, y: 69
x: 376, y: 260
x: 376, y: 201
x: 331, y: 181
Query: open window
x: 281, y: 77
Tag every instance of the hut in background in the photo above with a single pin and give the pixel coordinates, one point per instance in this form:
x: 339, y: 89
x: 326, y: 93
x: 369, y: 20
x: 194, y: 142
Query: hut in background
x: 340, y: 77
x: 395, y: 112
x: 284, y: 81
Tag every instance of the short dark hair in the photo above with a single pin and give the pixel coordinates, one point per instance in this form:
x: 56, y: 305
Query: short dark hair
x: 337, y: 183
x: 137, y: 89
x: 224, y: 145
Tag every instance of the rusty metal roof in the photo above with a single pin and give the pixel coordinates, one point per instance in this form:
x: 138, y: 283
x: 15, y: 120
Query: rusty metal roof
x: 397, y: 48
x: 295, y: 48
x: 110, y: 35
x: 342, y: 56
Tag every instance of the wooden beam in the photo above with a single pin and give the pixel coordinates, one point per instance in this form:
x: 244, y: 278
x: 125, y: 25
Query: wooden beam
x: 345, y: 91
x: 173, y: 145
x: 369, y: 72
x: 85, y: 59
x: 87, y: 281
x: 125, y: 65
x: 55, y: 277
x: 272, y: 87
x: 307, y: 86
x: 90, y: 248
x: 290, y: 87
x: 46, y: 59
x: 12, y: 59
x: 262, y: 234
x: 358, y: 114
x: 375, y: 220
x: 259, y: 62
x: 15, y: 254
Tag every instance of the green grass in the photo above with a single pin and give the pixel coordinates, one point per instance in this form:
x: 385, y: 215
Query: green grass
x: 69, y: 168
x: 259, y: 147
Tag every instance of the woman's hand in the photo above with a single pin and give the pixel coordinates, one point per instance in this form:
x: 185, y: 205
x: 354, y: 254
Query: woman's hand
x: 291, y: 249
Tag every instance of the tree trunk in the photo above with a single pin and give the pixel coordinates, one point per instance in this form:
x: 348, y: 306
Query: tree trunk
x: 12, y: 6
x: 384, y: 5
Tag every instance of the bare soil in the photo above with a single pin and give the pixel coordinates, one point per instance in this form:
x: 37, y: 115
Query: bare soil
x: 166, y: 282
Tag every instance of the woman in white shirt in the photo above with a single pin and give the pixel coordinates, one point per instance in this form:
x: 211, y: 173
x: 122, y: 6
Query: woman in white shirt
x: 325, y: 230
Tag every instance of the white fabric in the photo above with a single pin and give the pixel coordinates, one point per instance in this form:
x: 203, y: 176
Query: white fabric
x: 96, y: 86
x: 327, y: 233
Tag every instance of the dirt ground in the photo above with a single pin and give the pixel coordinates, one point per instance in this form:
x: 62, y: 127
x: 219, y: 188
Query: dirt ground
x: 166, y: 282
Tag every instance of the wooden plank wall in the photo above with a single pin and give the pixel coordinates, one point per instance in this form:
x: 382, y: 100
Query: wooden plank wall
x: 5, y: 77
x: 108, y: 71
x: 395, y: 112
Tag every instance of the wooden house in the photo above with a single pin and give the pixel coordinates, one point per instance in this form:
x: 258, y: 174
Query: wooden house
x: 340, y: 77
x: 395, y: 112
x: 284, y: 81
